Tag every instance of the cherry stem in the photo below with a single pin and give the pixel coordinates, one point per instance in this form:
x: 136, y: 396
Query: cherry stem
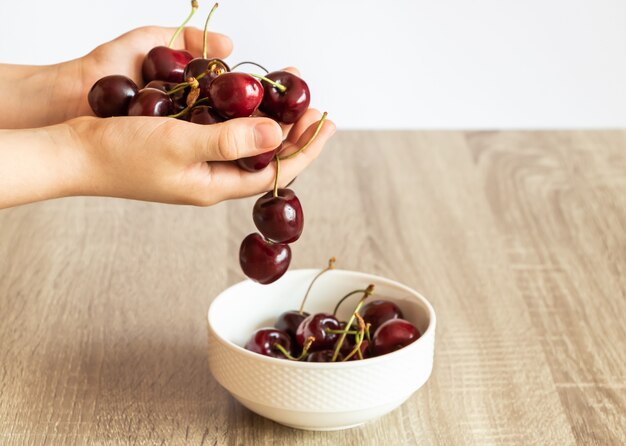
x: 369, y: 339
x: 331, y: 331
x: 276, y: 85
x: 206, y: 26
x: 367, y: 293
x: 250, y: 63
x: 331, y: 265
x: 351, y: 293
x: 310, y: 141
x: 305, y: 349
x: 185, y: 110
x: 358, y: 338
x: 192, y: 81
x: 276, y: 177
x: 194, y: 7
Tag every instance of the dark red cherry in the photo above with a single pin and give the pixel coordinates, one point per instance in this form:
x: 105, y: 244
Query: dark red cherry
x: 151, y: 102
x: 316, y: 325
x: 264, y: 340
x: 289, y: 321
x: 280, y: 219
x: 323, y: 356
x: 235, y: 95
x: 198, y: 66
x: 111, y: 95
x: 165, y: 64
x: 287, y: 106
x: 203, y: 114
x: 393, y: 335
x: 179, y: 99
x: 258, y: 162
x: 263, y: 261
x: 377, y: 312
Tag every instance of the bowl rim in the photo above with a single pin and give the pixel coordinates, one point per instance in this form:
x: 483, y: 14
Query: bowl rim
x: 332, y: 365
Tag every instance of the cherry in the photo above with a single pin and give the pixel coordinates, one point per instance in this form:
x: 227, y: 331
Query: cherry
x: 289, y: 321
x: 393, y: 335
x: 316, y: 325
x: 279, y: 218
x: 287, y: 106
x: 365, y: 351
x: 263, y: 261
x: 165, y: 64
x: 203, y: 114
x: 258, y: 162
x: 378, y: 312
x: 323, y: 356
x: 264, y: 340
x: 197, y: 66
x: 150, y: 102
x: 235, y: 95
x: 179, y: 98
x: 111, y: 95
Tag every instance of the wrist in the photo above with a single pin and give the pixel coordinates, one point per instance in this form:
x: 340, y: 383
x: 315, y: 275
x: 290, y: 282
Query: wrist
x: 69, y: 159
x: 38, y: 164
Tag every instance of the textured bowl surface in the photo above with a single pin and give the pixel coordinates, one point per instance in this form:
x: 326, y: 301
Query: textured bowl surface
x: 315, y: 396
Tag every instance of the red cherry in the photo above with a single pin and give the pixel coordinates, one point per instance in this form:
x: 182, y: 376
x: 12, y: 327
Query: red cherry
x: 111, y: 95
x: 364, y: 351
x: 258, y: 162
x: 198, y: 66
x: 203, y: 114
x: 179, y: 99
x: 377, y: 312
x: 264, y: 340
x: 280, y: 219
x: 150, y: 102
x: 287, y: 106
x: 263, y: 261
x: 394, y: 335
x: 323, y: 356
x: 316, y: 325
x: 289, y: 321
x: 235, y: 95
x: 165, y: 64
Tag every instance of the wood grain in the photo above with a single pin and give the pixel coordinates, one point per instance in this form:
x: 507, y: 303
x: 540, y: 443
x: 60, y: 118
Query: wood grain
x: 518, y: 239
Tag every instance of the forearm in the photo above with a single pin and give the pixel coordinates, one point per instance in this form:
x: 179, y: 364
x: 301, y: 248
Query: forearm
x: 39, y: 95
x: 37, y: 164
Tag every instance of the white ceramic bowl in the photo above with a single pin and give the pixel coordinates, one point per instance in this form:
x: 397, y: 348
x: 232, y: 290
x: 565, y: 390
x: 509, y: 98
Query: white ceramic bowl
x: 315, y: 396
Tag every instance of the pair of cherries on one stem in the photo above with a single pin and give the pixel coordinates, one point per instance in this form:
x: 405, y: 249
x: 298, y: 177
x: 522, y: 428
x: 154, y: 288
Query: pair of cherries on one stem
x: 265, y: 256
x: 321, y: 337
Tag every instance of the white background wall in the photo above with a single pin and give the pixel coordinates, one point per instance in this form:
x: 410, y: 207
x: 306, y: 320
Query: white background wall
x: 386, y: 64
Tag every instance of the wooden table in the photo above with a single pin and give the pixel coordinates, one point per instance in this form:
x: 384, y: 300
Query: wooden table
x: 517, y: 238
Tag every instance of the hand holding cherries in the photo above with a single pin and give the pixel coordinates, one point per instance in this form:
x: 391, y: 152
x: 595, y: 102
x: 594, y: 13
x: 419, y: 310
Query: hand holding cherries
x: 374, y: 329
x: 207, y: 91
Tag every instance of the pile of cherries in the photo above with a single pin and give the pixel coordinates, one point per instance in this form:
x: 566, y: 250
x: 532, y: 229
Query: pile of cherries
x: 207, y: 91
x: 321, y: 337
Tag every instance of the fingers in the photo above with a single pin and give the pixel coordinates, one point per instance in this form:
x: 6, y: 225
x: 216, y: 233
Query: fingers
x: 292, y: 70
x: 228, y: 181
x: 226, y: 141
x: 310, y: 116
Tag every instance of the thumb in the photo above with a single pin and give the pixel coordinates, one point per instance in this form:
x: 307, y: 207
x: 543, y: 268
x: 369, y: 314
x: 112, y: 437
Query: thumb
x: 227, y: 141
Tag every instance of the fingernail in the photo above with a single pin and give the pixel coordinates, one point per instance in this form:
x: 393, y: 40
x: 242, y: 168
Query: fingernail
x: 267, y: 135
